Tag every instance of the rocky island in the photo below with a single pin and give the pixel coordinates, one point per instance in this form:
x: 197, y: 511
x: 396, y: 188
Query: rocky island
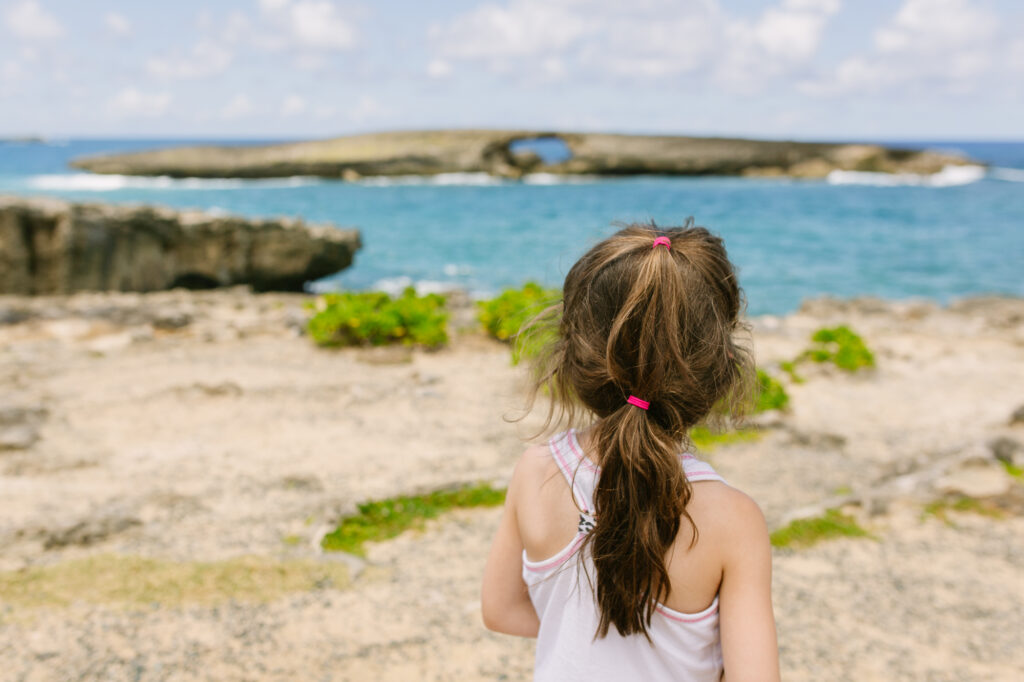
x: 503, y: 153
x: 49, y: 246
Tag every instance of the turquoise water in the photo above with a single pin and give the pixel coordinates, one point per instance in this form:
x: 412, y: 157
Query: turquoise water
x: 790, y: 239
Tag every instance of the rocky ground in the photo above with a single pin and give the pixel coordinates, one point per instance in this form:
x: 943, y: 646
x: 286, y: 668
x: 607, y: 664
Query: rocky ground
x: 184, y: 433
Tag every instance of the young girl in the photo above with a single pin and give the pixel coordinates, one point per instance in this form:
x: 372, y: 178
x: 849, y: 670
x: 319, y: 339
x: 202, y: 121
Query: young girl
x: 627, y: 557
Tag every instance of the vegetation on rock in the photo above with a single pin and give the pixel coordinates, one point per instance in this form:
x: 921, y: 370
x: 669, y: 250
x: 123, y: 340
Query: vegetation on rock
x: 135, y: 581
x: 807, y: 532
x: 375, y: 319
x: 383, y: 519
x: 771, y: 394
x: 842, y: 347
x: 504, y: 317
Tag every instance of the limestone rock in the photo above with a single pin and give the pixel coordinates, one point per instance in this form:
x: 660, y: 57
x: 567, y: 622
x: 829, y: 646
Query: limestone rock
x: 48, y: 246
x: 1017, y: 418
x: 496, y: 152
x: 1007, y: 450
x: 89, y: 531
x: 19, y: 426
x: 975, y: 479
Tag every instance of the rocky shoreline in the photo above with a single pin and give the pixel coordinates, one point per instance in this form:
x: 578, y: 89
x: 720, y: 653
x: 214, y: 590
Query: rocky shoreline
x: 196, y: 429
x: 496, y: 152
x: 51, y: 246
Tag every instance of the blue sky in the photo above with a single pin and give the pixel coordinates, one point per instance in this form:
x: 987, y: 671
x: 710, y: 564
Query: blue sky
x: 806, y: 69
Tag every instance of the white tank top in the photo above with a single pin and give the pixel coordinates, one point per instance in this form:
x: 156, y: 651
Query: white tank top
x: 686, y: 646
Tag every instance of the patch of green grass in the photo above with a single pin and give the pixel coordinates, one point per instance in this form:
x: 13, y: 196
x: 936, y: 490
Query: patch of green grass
x: 1014, y: 471
x: 941, y: 507
x: 376, y: 319
x: 139, y: 581
x: 789, y: 367
x: 503, y: 317
x: 771, y: 395
x: 807, y: 532
x: 705, y: 439
x: 842, y: 347
x: 842, y: 490
x: 383, y: 519
x: 292, y: 540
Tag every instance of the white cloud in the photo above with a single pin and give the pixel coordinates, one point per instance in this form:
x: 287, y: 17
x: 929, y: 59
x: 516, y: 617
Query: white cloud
x: 207, y: 58
x: 939, y: 44
x: 367, y: 108
x: 131, y: 102
x: 31, y: 21
x: 118, y: 24
x: 293, y: 105
x: 306, y: 24
x: 439, y: 68
x: 1015, y: 56
x: 653, y: 39
x: 523, y: 28
x: 782, y: 39
x: 240, y: 106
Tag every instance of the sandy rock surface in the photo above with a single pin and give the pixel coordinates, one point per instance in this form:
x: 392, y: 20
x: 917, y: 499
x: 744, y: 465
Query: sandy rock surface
x: 204, y: 427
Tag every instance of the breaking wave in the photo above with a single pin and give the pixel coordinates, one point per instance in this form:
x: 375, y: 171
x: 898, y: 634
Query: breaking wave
x: 466, y: 179
x: 88, y: 182
x: 949, y: 176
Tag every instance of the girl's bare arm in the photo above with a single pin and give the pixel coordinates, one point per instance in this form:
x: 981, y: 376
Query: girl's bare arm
x: 749, y: 647
x: 505, y: 600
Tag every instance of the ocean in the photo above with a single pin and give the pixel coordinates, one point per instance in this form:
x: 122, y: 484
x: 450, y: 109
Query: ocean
x: 896, y: 237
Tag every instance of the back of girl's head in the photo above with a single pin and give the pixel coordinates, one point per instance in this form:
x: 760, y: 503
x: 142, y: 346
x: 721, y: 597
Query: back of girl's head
x: 659, y: 323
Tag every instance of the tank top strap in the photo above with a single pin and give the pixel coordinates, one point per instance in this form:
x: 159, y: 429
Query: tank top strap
x: 579, y: 472
x: 698, y: 470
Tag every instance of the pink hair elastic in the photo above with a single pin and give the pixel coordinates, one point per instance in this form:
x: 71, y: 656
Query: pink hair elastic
x: 642, y: 404
x: 662, y: 241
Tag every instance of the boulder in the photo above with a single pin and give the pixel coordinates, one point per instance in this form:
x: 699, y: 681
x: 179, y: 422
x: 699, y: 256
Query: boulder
x: 1007, y: 450
x: 49, y: 246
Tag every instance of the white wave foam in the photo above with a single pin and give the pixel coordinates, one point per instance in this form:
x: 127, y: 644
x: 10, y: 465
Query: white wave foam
x: 88, y: 182
x: 394, y: 286
x: 468, y: 179
x: 1007, y: 174
x: 947, y: 177
x: 557, y: 179
x: 456, y: 269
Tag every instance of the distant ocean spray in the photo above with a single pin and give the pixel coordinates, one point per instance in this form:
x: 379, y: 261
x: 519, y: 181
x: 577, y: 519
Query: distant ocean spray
x: 956, y: 233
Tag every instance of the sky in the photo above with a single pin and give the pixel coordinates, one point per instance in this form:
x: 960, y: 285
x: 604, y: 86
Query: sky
x: 282, y: 69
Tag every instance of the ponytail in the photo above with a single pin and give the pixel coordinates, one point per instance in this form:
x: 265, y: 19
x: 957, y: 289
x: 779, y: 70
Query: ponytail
x: 640, y: 497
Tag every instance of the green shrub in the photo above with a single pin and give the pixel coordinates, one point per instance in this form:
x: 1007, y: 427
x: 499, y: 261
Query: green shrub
x: 771, y: 395
x: 504, y: 316
x: 703, y: 438
x: 383, y: 519
x: 807, y: 532
x: 789, y: 367
x: 840, y: 346
x: 375, y: 319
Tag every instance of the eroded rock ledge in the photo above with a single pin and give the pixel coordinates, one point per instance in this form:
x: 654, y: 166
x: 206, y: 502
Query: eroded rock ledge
x: 496, y: 152
x: 48, y: 246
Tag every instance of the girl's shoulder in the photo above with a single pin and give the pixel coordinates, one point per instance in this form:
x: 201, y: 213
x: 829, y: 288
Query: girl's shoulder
x: 535, y: 468
x: 731, y: 516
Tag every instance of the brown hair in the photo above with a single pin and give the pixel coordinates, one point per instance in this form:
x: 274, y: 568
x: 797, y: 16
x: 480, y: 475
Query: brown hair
x: 660, y: 324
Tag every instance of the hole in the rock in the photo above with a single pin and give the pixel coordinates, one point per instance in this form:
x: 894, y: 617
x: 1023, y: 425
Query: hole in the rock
x: 550, y: 149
